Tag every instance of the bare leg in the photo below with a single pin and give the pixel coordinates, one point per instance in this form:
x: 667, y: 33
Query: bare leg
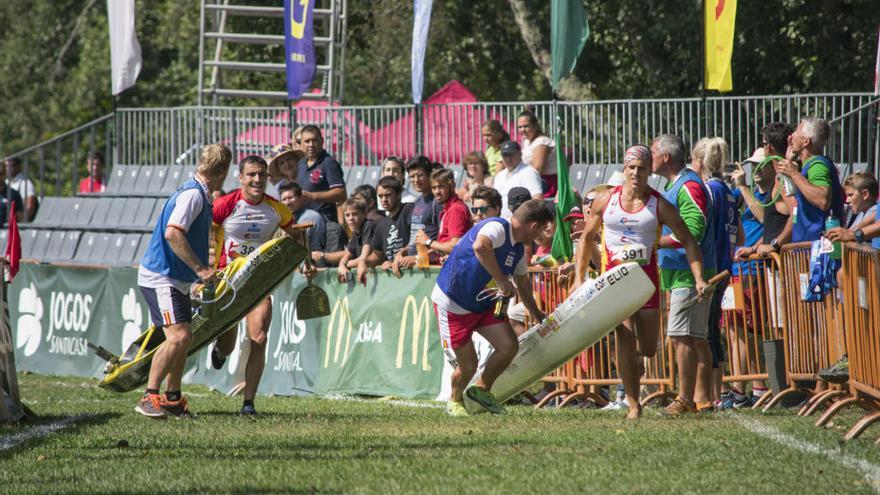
x: 627, y: 365
x: 519, y: 327
x: 686, y: 356
x: 170, y: 358
x: 704, y: 370
x: 506, y: 346
x: 466, y: 355
x: 226, y: 342
x: 258, y: 322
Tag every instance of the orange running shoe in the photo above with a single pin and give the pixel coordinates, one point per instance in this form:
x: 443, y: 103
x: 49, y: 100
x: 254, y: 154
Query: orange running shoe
x: 176, y: 408
x: 151, y: 406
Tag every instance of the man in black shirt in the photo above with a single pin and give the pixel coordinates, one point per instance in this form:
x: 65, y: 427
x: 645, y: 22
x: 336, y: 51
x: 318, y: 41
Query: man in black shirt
x: 392, y: 233
x: 320, y: 175
x: 425, y: 213
x: 7, y: 196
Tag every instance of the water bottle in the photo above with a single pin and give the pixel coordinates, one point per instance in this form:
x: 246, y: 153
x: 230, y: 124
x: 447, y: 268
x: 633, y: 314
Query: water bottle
x: 422, y: 259
x: 787, y: 185
x: 831, y: 222
x: 208, y: 300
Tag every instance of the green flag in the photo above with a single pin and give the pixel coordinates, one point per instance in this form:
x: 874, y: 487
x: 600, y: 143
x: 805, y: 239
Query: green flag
x: 569, y: 33
x: 565, y: 201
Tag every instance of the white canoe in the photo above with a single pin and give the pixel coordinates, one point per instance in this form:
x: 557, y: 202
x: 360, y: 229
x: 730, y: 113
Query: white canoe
x: 590, y: 312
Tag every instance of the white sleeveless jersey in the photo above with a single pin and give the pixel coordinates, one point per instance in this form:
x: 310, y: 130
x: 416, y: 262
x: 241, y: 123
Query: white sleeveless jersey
x: 630, y: 236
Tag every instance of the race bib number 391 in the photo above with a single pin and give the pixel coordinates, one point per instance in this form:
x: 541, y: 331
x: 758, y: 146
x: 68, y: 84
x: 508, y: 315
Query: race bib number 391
x: 637, y: 253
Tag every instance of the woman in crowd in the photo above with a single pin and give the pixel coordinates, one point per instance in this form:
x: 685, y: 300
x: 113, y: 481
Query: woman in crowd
x: 709, y: 157
x: 537, y: 150
x: 493, y: 135
x: 477, y: 169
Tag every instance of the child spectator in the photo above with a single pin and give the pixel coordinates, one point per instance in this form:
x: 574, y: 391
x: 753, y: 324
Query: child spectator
x: 861, y: 196
x: 493, y: 134
x: 354, y: 212
x: 367, y: 194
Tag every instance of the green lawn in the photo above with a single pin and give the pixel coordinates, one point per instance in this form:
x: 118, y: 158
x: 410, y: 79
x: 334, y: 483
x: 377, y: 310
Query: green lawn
x: 310, y: 445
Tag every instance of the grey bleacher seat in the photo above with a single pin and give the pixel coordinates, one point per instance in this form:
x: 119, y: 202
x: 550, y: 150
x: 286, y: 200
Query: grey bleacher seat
x: 231, y: 183
x: 53, y: 247
x: 577, y: 175
x: 843, y: 170
x: 117, y: 177
x: 130, y: 181
x: 610, y: 170
x: 79, y: 212
x: 101, y: 249
x: 142, y: 247
x: 122, y: 249
x: 157, y: 181
x: 85, y: 247
x: 109, y: 213
x: 346, y: 172
x: 372, y: 175
x: 355, y: 179
x: 157, y: 212
x: 62, y: 246
x: 28, y: 240
x: 188, y: 172
x: 138, y: 214
x: 50, y: 213
x: 595, y: 174
x: 144, y: 178
x: 172, y: 179
x: 41, y: 245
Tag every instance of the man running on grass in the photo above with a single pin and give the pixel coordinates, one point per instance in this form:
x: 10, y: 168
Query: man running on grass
x: 177, y: 256
x: 244, y: 220
x: 630, y: 216
x: 478, y: 268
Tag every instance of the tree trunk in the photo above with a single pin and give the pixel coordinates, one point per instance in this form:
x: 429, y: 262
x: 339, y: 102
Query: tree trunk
x: 570, y: 87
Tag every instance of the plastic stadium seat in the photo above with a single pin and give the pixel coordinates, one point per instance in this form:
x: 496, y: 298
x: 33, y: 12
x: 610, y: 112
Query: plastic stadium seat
x: 188, y: 172
x: 610, y: 170
x: 85, y: 248
x: 68, y: 248
x: 79, y: 212
x: 115, y: 212
x: 117, y: 177
x: 128, y: 250
x: 138, y: 214
x: 372, y: 175
x: 458, y: 173
x: 62, y: 246
x: 130, y: 181
x: 102, y: 249
x: 157, y: 212
x: 355, y: 179
x: 28, y: 240
x: 172, y: 180
x: 53, y: 246
x: 595, y: 174
x: 577, y: 175
x: 142, y: 247
x: 157, y: 182
x: 144, y: 178
x: 843, y: 170
x: 41, y: 244
x: 50, y: 213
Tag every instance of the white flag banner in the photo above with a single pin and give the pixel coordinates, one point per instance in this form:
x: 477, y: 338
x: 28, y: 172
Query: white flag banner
x: 421, y: 22
x: 125, y: 51
x: 877, y: 68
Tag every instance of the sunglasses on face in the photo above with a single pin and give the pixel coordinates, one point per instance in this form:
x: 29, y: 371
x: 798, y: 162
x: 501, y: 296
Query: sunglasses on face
x: 479, y: 209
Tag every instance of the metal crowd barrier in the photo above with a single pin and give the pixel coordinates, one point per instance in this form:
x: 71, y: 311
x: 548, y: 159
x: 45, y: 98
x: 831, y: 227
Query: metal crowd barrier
x: 861, y: 322
x: 756, y: 316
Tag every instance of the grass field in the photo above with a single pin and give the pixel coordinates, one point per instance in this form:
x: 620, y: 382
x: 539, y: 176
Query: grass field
x: 311, y: 445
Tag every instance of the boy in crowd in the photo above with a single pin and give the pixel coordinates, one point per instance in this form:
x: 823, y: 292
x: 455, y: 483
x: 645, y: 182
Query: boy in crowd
x: 485, y: 203
x: 393, y: 231
x: 367, y: 194
x: 362, y: 229
x: 861, y: 196
x: 425, y: 213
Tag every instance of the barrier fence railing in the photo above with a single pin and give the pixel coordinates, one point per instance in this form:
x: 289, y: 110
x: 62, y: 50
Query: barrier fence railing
x: 591, y: 132
x: 753, y: 315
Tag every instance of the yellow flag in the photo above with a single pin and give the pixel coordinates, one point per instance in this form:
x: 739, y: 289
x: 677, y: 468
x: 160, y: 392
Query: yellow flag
x: 720, y: 20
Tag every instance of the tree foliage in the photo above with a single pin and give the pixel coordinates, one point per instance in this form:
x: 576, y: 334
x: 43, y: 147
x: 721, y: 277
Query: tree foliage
x: 55, y: 56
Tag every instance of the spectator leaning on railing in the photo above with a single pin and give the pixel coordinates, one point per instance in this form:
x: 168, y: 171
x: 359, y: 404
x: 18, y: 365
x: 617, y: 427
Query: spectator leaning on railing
x: 818, y: 192
x: 292, y: 197
x: 367, y: 194
x: 393, y: 231
x: 362, y: 230
x: 425, y: 213
x: 455, y: 220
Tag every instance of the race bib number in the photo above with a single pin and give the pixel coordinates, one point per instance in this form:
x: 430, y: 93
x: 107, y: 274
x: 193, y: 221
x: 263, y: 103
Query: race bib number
x: 636, y: 253
x: 234, y: 250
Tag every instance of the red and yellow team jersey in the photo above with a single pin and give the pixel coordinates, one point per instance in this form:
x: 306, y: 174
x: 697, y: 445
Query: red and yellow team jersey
x: 244, y: 226
x: 630, y: 235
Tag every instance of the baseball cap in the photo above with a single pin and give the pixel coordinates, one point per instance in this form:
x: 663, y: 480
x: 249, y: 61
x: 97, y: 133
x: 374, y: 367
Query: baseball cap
x: 574, y: 214
x: 517, y: 196
x: 510, y: 147
x: 757, y: 156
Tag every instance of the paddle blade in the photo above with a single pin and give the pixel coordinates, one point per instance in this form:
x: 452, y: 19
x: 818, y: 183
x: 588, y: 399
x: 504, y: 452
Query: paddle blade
x: 312, y: 302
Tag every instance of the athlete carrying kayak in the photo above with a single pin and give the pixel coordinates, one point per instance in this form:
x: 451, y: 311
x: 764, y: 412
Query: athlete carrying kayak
x: 630, y: 217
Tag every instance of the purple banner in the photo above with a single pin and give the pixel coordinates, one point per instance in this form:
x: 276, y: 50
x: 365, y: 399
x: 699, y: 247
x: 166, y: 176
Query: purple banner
x: 299, y: 46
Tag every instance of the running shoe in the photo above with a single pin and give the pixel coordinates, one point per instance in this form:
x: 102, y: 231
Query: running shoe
x: 679, y: 407
x: 151, y: 406
x: 616, y: 405
x: 176, y: 408
x: 248, y: 410
x: 456, y: 409
x: 836, y: 373
x: 485, y: 399
x: 217, y: 360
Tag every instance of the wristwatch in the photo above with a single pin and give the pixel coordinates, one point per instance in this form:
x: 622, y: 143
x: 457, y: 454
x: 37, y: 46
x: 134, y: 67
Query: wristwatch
x: 859, y: 235
x: 775, y: 244
x: 428, y: 242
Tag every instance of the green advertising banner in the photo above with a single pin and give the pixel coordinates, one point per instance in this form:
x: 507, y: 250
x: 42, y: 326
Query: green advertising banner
x: 381, y: 339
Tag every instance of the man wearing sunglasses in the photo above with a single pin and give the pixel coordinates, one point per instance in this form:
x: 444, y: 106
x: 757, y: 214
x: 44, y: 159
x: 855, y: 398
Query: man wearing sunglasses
x: 486, y: 203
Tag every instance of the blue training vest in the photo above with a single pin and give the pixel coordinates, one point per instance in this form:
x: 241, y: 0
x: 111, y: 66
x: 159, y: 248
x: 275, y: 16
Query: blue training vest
x: 462, y: 277
x: 725, y: 216
x: 676, y: 259
x: 159, y: 258
x: 810, y: 220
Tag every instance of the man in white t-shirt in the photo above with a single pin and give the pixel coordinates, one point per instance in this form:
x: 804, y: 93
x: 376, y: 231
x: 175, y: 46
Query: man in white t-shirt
x: 19, y: 181
x: 515, y: 174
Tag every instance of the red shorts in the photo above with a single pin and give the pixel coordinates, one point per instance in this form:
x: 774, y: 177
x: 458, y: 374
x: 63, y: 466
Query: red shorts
x: 456, y: 330
x: 653, y: 273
